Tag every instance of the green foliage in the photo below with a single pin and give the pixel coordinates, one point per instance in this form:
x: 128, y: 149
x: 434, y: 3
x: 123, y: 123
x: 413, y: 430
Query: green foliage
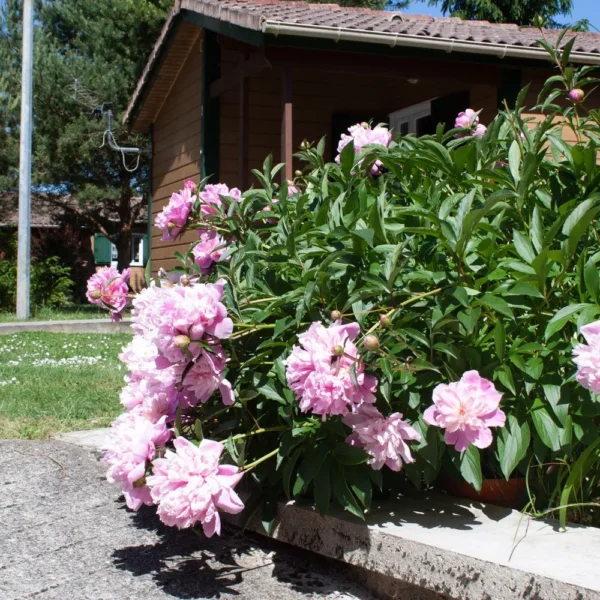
x: 86, y: 53
x: 523, y: 12
x: 51, y: 283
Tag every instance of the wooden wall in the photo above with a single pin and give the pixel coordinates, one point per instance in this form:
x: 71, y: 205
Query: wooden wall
x: 317, y: 97
x: 176, y: 149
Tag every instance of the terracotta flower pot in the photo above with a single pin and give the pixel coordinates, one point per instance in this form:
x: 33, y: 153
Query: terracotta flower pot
x: 493, y: 491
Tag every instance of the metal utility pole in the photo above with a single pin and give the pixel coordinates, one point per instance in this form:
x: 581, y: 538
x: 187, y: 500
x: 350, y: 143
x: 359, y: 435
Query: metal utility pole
x: 24, y: 246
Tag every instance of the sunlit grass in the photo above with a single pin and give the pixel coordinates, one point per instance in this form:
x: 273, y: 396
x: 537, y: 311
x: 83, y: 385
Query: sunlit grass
x: 51, y: 382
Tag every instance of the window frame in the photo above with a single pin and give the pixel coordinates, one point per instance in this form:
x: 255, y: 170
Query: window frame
x: 410, y: 115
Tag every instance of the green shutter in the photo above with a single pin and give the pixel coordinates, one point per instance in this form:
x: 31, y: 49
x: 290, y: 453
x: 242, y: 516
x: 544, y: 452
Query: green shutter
x: 146, y: 249
x: 102, y: 249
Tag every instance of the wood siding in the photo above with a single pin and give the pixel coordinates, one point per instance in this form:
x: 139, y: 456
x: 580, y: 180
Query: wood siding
x: 177, y: 148
x: 317, y: 97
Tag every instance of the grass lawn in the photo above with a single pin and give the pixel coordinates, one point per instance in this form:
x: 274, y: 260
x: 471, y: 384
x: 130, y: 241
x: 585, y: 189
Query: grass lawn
x: 76, y: 312
x: 51, y: 382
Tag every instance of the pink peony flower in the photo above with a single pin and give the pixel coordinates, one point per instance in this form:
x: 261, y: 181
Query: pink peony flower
x: 577, y: 95
x: 190, y: 486
x: 108, y: 288
x: 206, y: 377
x: 211, y: 197
x: 479, y: 130
x: 364, y: 136
x: 152, y: 399
x: 466, y: 409
x: 168, y: 316
x: 383, y: 438
x: 131, y: 444
x: 587, y: 358
x: 469, y: 119
x: 175, y: 214
x: 209, y: 249
x: 319, y: 371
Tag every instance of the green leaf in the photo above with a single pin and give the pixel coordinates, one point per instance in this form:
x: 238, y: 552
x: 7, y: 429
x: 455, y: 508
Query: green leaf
x: 500, y: 339
x: 346, y: 454
x: 505, y: 377
x: 470, y: 467
x: 522, y: 288
x: 343, y: 494
x: 576, y: 478
x: 561, y: 318
x: 549, y: 432
x: 513, y: 442
x: 496, y: 303
x: 360, y: 484
x: 578, y: 222
x: 514, y: 161
x: 523, y: 247
x: 322, y: 487
x: 288, y: 471
x: 347, y: 158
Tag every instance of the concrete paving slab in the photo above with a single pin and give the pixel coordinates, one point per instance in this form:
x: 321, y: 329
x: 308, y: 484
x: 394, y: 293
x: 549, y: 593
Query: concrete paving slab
x: 86, y: 545
x: 93, y: 438
x: 436, y: 544
x: 80, y: 326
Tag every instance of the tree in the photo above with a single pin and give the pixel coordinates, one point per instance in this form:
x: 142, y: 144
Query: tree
x: 85, y: 52
x: 522, y: 12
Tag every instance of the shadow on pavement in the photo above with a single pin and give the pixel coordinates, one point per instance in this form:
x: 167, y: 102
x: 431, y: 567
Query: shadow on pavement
x: 187, y: 565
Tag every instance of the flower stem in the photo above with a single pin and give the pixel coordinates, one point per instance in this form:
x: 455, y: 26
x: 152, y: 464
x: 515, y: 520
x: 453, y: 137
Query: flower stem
x: 242, y: 436
x: 262, y: 459
x: 405, y: 303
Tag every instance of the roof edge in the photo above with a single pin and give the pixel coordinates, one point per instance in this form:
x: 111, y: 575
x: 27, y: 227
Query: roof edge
x: 447, y: 45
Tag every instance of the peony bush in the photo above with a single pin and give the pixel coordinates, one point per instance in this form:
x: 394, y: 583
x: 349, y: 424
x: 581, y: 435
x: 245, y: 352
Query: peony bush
x: 410, y: 312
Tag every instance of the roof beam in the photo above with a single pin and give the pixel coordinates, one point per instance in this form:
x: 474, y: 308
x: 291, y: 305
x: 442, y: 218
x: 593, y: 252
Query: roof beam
x: 254, y: 65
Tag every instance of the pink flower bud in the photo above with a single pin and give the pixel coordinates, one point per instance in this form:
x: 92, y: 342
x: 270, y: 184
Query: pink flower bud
x: 385, y: 321
x: 338, y: 350
x: 184, y: 280
x: 181, y: 341
x: 189, y: 185
x: 577, y: 95
x: 335, y: 315
x: 371, y: 343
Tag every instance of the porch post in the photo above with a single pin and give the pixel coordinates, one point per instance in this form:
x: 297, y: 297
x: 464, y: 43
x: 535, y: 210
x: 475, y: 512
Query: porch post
x: 287, y: 123
x: 243, y: 156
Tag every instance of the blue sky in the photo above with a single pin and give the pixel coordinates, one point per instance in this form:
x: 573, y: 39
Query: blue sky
x: 583, y: 9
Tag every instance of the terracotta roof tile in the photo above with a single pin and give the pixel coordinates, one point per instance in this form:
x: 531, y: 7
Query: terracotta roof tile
x: 302, y: 13
x: 474, y: 37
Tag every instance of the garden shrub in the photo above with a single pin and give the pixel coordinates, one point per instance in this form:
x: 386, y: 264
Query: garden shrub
x: 51, y: 282
x: 402, y: 315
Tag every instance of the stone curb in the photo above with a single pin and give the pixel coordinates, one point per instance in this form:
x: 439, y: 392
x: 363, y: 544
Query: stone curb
x: 434, y: 544
x: 83, y: 326
x: 466, y: 551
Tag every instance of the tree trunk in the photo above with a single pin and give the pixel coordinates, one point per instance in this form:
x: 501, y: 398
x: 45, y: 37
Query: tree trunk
x: 124, y: 247
x: 125, y: 226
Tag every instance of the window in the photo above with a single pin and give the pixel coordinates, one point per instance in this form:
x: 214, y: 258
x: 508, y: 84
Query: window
x: 137, y: 250
x: 105, y: 252
x: 415, y: 119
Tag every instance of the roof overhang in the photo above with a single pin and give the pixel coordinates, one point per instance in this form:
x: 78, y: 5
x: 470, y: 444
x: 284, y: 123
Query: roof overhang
x: 189, y: 17
x: 393, y: 40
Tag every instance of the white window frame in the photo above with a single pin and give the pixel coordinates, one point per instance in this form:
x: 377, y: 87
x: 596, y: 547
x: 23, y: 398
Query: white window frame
x: 132, y: 263
x: 142, y: 241
x: 410, y: 115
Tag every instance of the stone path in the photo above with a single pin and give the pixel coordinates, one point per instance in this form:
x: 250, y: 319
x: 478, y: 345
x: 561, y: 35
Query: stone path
x: 65, y: 534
